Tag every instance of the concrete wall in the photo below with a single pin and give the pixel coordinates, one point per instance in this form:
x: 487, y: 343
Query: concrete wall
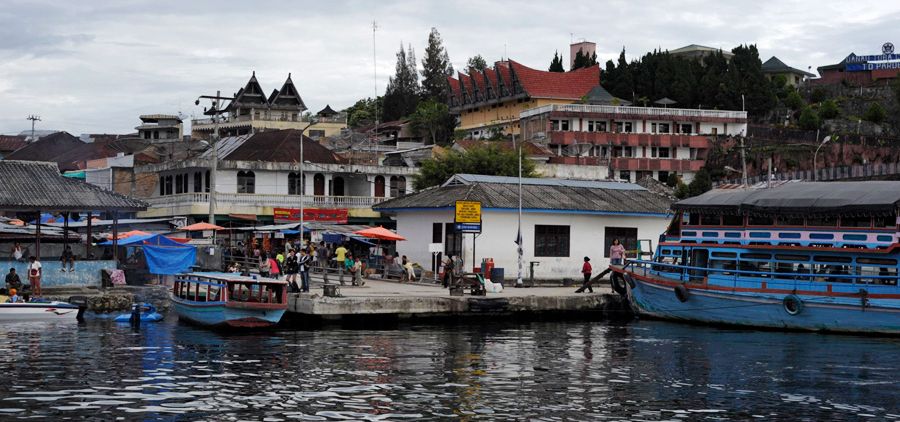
x: 497, y: 240
x: 572, y: 171
x: 87, y: 273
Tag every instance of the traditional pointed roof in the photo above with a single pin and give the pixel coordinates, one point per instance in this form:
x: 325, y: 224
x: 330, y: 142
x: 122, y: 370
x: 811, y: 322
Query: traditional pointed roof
x: 252, y: 93
x: 327, y: 111
x: 287, y: 96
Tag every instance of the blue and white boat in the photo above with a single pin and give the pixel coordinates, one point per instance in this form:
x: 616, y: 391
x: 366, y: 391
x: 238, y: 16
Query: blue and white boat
x: 229, y: 300
x: 805, y: 256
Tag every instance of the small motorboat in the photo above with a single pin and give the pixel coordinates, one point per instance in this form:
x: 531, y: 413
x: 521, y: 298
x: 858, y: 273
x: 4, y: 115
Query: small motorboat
x: 146, y: 311
x: 38, y: 311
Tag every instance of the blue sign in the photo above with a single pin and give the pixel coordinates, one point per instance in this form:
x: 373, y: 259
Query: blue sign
x: 853, y: 58
x: 871, y: 66
x: 468, y: 227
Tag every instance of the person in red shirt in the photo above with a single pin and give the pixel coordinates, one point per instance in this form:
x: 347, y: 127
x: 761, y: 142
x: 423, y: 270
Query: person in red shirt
x: 586, y: 271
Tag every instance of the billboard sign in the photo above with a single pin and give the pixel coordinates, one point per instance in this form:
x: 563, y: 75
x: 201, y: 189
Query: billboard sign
x: 320, y: 215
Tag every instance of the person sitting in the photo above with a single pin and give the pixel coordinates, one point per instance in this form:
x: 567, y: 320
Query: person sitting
x: 67, y: 257
x: 13, y: 281
x: 14, y: 297
x: 235, y: 268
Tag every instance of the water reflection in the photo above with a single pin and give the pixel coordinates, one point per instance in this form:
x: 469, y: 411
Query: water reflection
x: 542, y: 371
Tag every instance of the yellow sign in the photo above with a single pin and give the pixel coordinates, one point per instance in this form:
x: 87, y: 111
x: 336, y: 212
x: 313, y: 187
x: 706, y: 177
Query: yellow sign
x: 468, y: 212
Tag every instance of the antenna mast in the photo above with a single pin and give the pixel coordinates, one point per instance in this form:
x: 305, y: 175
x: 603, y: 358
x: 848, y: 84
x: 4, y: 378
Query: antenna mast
x: 33, y: 119
x: 375, y: 76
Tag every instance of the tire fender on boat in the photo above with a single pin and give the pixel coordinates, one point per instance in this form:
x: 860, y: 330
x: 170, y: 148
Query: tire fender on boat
x: 618, y: 284
x: 629, y: 280
x: 682, y: 293
x: 793, y: 305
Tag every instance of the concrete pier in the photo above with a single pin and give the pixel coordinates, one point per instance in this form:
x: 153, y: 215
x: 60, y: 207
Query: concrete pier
x: 393, y: 300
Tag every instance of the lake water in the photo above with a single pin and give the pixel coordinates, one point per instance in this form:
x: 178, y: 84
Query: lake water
x: 644, y: 370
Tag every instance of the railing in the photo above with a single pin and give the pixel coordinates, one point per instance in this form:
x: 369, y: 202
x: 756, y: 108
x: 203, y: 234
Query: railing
x: 826, y: 174
x: 642, y: 111
x: 340, y: 118
x: 266, y: 200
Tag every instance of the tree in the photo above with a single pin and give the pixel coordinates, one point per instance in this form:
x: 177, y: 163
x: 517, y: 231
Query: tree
x: 435, y: 68
x: 556, y: 65
x: 794, y: 101
x: 489, y: 160
x: 673, y: 180
x: 476, y: 62
x: 430, y: 117
x: 829, y: 110
x: 895, y: 86
x: 582, y: 59
x: 402, y: 93
x: 701, y: 183
x: 875, y: 113
x: 362, y: 112
x: 818, y: 95
x: 809, y: 120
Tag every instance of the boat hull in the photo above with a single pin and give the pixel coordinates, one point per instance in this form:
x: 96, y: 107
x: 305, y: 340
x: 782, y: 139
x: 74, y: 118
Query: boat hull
x: 652, y: 298
x: 222, y: 315
x: 53, y: 311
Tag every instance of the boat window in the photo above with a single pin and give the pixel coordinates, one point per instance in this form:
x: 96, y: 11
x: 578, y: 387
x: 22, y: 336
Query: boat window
x: 855, y: 221
x: 877, y: 261
x: 724, y: 254
x: 827, y: 273
x: 758, y: 220
x: 710, y: 220
x: 821, y: 221
x: 790, y: 220
x: 787, y: 257
x: 693, y: 219
x: 732, y: 220
x: 754, y: 255
x: 725, y: 266
x: 699, y: 258
x: 828, y: 258
x: 889, y: 222
x: 885, y: 276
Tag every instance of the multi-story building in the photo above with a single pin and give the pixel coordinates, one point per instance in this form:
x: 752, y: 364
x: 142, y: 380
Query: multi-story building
x: 631, y: 142
x: 259, y: 177
x: 774, y: 67
x: 490, y: 101
x: 252, y: 111
x: 698, y: 52
x: 160, y: 128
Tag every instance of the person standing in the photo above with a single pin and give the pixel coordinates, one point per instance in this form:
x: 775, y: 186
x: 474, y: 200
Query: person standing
x: 34, y: 275
x: 616, y: 253
x: 447, y: 263
x: 274, y: 268
x: 323, y: 254
x: 264, y: 265
x: 586, y: 271
x: 304, y: 263
x: 340, y: 254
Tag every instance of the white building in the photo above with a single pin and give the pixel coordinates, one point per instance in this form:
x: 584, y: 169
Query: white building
x: 562, y: 222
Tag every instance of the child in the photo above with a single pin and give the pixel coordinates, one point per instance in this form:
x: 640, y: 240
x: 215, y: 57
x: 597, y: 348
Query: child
x: 586, y: 271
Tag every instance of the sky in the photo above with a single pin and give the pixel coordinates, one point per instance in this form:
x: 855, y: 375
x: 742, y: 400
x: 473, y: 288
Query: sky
x: 94, y: 66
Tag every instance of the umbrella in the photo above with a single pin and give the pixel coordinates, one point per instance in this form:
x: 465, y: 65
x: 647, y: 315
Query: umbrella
x: 201, y: 227
x: 665, y: 102
x: 379, y: 233
x: 129, y: 234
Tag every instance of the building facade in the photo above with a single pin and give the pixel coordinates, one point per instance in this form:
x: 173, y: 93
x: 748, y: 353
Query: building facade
x: 774, y: 67
x: 490, y: 101
x: 253, y: 111
x: 160, y: 128
x: 630, y: 142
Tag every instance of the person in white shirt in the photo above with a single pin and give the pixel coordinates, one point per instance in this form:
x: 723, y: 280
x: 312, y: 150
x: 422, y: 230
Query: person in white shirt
x: 34, y: 275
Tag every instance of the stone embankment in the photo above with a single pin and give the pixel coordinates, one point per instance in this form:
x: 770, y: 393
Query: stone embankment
x: 117, y: 299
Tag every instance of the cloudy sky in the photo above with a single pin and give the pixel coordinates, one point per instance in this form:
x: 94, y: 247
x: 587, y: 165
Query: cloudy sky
x: 93, y: 66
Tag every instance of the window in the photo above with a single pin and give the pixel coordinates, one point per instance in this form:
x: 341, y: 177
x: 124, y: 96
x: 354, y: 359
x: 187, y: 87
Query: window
x: 162, y: 185
x: 664, y: 128
x: 207, y: 181
x: 379, y: 186
x: 710, y: 220
x: 295, y: 184
x: 853, y: 221
x: 663, y: 153
x: 554, y: 125
x: 793, y: 220
x: 822, y: 221
x: 246, y: 182
x: 628, y: 152
x: 652, y: 127
x: 198, y: 181
x: 652, y: 152
x: 885, y: 222
x: 732, y: 220
x: 590, y: 126
x: 687, y: 128
x: 338, y: 186
x: 319, y: 184
x: 757, y: 220
x: 715, y: 131
x: 551, y: 240
x: 316, y: 133
x: 624, y: 127
x: 398, y: 186
x: 600, y: 126
x: 564, y: 125
x: 663, y: 176
x: 168, y: 185
x: 627, y: 237
x: 180, y: 184
x: 625, y: 175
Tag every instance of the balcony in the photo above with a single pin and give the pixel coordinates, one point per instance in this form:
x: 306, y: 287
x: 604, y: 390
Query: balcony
x: 629, y: 139
x: 642, y: 113
x: 339, y: 118
x: 244, y: 200
x: 664, y: 164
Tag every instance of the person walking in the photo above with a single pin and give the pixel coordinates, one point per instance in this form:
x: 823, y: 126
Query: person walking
x: 274, y: 268
x: 340, y: 255
x: 34, y: 275
x: 586, y: 271
x: 304, y: 263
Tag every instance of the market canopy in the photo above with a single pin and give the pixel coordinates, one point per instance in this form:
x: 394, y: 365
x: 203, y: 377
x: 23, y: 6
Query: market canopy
x: 379, y: 233
x: 201, y: 227
x: 128, y: 234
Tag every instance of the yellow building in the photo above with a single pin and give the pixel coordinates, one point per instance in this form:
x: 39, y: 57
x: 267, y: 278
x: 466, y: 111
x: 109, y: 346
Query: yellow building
x: 252, y: 111
x: 490, y: 101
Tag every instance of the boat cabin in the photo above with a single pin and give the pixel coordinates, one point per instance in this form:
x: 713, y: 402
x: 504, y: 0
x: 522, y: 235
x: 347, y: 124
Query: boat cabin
x: 229, y: 289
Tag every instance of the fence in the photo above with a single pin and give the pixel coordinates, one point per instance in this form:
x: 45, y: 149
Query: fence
x: 827, y: 174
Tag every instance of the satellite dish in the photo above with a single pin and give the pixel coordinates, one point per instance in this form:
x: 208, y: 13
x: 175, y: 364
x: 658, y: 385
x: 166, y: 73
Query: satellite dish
x: 578, y: 150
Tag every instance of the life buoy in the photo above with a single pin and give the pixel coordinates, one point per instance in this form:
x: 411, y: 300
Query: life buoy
x: 618, y: 284
x: 682, y: 293
x: 792, y: 304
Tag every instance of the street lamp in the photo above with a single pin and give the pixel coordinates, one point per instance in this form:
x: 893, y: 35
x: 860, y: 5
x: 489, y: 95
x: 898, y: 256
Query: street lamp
x: 816, y: 155
x: 312, y: 121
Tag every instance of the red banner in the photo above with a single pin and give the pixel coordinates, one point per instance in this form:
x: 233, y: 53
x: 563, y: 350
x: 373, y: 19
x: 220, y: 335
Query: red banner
x: 322, y: 215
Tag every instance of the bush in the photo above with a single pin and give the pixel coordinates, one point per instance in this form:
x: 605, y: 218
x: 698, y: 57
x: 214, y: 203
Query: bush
x: 794, y: 101
x: 829, y: 110
x: 818, y: 95
x: 681, y: 190
x: 875, y: 113
x: 809, y: 120
x: 673, y: 180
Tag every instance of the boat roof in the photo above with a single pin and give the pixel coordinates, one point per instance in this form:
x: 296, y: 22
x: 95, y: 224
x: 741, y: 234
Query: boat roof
x: 229, y: 277
x: 853, y: 198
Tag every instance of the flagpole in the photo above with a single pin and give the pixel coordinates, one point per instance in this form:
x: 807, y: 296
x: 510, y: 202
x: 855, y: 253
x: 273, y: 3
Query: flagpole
x: 519, y: 238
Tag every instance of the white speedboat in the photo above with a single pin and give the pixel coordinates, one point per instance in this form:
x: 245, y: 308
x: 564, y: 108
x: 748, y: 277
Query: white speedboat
x: 38, y: 311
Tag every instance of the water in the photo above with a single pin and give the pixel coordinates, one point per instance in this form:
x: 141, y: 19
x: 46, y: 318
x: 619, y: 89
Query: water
x: 540, y: 371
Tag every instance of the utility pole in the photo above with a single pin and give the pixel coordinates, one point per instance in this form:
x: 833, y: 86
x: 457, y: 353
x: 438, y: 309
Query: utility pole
x: 312, y: 121
x: 375, y: 76
x: 519, y: 239
x: 33, y: 119
x: 214, y: 165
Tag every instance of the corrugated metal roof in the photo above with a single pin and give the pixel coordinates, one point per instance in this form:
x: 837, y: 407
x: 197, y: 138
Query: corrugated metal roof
x: 226, y: 146
x: 481, y: 178
x: 33, y: 185
x: 273, y: 146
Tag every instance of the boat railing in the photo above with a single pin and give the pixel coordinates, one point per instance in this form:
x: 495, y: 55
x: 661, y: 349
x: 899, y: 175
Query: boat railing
x: 692, y: 274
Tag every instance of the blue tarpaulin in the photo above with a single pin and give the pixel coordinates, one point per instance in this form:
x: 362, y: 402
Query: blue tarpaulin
x: 170, y: 259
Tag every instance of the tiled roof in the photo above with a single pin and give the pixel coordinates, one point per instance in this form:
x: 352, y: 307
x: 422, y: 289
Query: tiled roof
x: 280, y: 146
x: 67, y: 151
x: 10, y: 143
x: 561, y: 85
x: 33, y: 185
x: 532, y: 149
x: 774, y: 65
x: 537, y: 194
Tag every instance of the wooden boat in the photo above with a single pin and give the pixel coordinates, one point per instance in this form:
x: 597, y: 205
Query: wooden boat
x: 38, y: 311
x: 229, y: 300
x: 805, y: 256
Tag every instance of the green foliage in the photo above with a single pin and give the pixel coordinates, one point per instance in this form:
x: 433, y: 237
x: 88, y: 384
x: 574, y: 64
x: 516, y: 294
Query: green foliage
x: 362, y: 113
x: 435, y: 68
x: 556, y: 65
x: 818, y: 95
x: 809, y: 120
x: 673, y: 180
x: 875, y: 113
x: 794, y: 101
x: 582, y: 59
x: 477, y: 62
x: 829, y: 110
x: 681, y: 190
x: 895, y: 86
x: 430, y: 118
x: 402, y: 94
x: 713, y: 82
x: 488, y: 160
x: 702, y: 182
